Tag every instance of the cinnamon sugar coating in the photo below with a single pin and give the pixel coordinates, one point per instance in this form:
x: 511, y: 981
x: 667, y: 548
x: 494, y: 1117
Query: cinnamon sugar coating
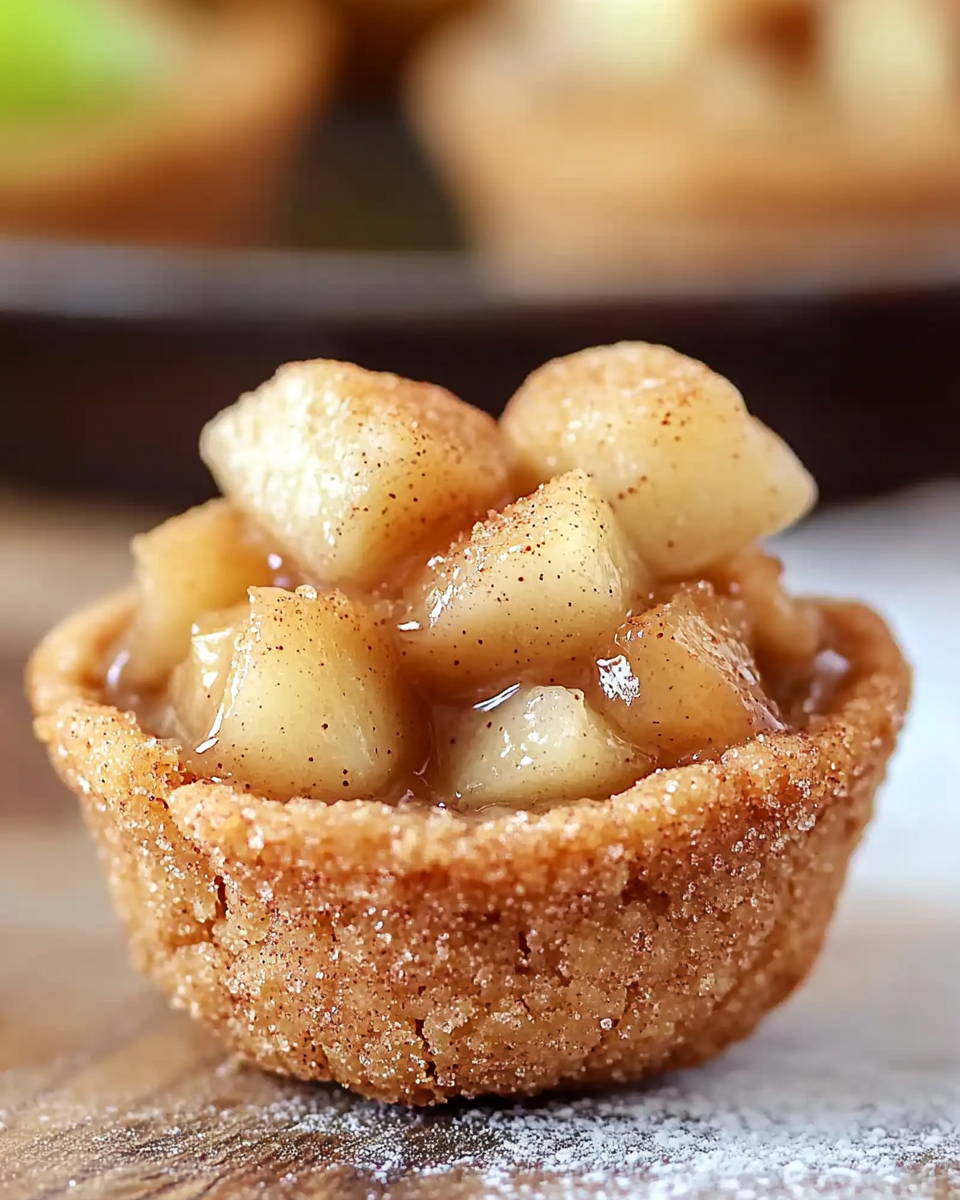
x: 416, y: 954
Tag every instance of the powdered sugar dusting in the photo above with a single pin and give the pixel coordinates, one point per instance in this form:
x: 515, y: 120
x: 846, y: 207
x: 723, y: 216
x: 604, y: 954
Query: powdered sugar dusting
x: 852, y: 1090
x: 741, y: 1130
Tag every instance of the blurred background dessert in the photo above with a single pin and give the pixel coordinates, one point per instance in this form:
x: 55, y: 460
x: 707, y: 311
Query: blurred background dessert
x: 155, y: 120
x: 599, y: 140
x: 192, y: 191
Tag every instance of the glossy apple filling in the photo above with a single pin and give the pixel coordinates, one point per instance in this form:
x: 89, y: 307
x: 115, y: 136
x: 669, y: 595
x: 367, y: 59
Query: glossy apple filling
x: 435, y: 642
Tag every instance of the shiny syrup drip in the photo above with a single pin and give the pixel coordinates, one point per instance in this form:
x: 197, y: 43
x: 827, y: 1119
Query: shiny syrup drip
x: 800, y: 695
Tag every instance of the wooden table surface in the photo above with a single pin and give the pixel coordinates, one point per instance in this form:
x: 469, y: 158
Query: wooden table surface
x: 106, y: 1093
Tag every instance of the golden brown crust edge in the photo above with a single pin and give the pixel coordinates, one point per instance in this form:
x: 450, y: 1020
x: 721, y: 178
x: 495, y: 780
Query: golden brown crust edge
x: 415, y: 955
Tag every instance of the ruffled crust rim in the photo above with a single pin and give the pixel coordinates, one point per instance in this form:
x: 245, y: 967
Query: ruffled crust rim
x: 94, y: 746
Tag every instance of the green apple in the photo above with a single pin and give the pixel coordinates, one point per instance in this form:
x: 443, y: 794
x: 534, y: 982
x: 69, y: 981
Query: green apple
x: 74, y: 56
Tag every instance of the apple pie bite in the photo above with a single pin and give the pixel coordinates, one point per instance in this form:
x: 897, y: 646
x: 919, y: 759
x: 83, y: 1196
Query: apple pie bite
x: 605, y: 142
x: 157, y: 121
x: 446, y: 756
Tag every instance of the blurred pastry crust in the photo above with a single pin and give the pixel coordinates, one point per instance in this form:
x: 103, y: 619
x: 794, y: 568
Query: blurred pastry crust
x: 577, y: 184
x: 416, y: 954
x: 205, y: 160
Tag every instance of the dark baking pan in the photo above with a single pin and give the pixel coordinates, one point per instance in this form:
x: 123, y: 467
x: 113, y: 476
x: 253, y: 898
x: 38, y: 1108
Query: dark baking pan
x: 111, y: 359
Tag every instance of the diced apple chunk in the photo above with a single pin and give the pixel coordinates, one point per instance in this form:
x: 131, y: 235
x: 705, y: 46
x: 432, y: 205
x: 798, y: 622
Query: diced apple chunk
x: 197, y: 685
x: 543, y: 745
x: 312, y: 703
x: 689, y: 473
x: 782, y: 628
x: 532, y: 592
x: 354, y: 472
x: 199, y: 561
x: 679, y: 683
x: 886, y: 59
x: 632, y: 42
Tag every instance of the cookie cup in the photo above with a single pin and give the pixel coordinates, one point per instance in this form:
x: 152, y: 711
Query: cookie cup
x: 204, y: 162
x: 416, y: 954
x: 573, y: 186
